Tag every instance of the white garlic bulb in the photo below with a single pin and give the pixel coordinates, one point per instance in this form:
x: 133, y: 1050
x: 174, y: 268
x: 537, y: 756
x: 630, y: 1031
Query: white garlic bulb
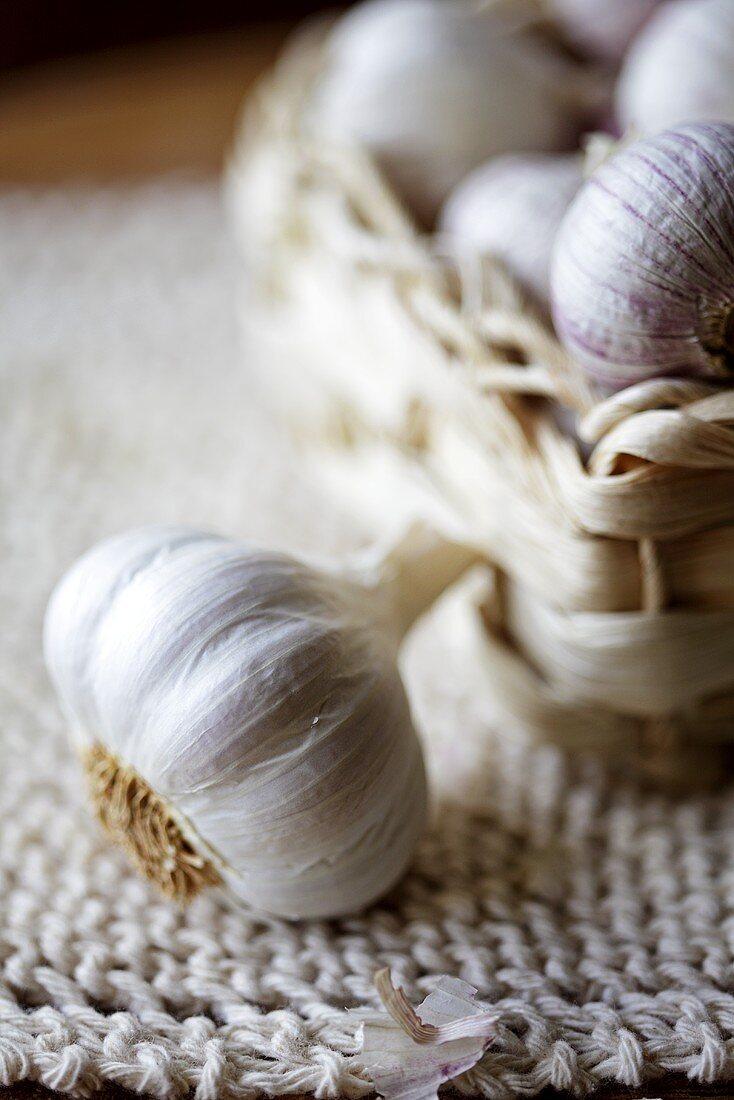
x: 680, y: 68
x: 642, y: 278
x: 432, y: 89
x: 242, y: 718
x: 511, y: 208
x: 601, y: 28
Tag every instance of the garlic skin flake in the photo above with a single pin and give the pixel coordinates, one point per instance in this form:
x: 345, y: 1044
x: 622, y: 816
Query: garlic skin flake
x: 410, y: 1052
x: 242, y: 719
x: 431, y: 89
x: 680, y: 68
x: 511, y: 208
x: 642, y: 277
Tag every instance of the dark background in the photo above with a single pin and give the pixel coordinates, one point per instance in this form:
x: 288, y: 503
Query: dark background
x: 34, y: 30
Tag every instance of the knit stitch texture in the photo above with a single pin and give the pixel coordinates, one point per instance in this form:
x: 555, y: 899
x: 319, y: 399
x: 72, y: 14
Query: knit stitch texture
x: 596, y: 917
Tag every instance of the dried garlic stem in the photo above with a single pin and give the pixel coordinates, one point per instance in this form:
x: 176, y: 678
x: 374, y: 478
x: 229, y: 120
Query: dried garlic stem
x: 142, y: 823
x: 419, y: 570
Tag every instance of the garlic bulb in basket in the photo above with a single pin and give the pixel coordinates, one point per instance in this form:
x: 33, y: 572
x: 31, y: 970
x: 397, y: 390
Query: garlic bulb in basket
x: 432, y: 89
x: 681, y: 68
x: 241, y: 715
x: 642, y: 278
x: 511, y: 208
x: 601, y: 28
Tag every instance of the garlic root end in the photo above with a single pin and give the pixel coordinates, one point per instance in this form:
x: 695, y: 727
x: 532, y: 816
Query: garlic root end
x: 146, y: 827
x: 717, y: 338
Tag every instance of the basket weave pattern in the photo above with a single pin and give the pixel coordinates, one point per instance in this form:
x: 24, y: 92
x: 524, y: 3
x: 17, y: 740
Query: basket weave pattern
x: 610, y: 622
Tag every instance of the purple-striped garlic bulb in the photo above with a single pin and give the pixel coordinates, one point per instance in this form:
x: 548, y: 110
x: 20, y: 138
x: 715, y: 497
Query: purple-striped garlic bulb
x: 642, y: 277
x: 511, y: 208
x: 602, y: 29
x: 680, y: 68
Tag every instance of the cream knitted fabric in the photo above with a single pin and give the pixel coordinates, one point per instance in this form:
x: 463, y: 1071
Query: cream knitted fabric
x: 599, y: 920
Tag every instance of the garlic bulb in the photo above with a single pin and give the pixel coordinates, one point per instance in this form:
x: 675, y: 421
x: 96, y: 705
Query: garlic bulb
x: 241, y: 716
x: 642, y: 279
x: 432, y: 89
x: 681, y: 68
x: 601, y: 28
x: 511, y: 208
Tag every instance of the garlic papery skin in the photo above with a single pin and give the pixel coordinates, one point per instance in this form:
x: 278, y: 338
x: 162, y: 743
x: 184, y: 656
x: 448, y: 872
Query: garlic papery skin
x: 642, y: 277
x: 602, y: 29
x: 433, y: 89
x: 680, y: 68
x: 511, y: 208
x: 242, y: 717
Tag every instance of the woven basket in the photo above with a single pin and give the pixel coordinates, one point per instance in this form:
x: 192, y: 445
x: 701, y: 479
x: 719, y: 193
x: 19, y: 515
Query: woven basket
x: 609, y: 622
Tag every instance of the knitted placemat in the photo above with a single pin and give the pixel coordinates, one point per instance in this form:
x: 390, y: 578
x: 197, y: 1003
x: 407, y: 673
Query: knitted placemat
x: 597, y: 918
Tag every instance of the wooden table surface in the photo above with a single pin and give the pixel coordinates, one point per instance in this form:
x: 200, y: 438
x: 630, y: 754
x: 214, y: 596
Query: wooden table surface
x: 127, y: 114
x: 130, y: 113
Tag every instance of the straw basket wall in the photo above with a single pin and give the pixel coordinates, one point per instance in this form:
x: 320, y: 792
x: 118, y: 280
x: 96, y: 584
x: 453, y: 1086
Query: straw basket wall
x: 609, y: 622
